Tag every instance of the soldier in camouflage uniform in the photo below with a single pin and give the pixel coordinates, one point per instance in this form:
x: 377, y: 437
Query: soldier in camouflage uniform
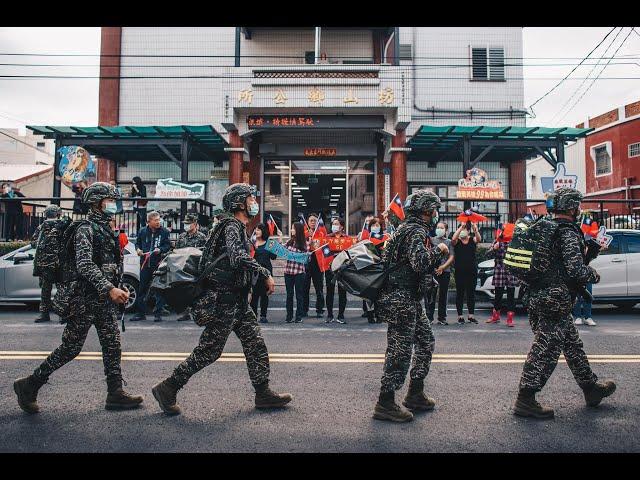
x: 87, y: 296
x: 224, y: 307
x: 410, y: 255
x: 550, y: 304
x: 190, y: 238
x: 46, y: 258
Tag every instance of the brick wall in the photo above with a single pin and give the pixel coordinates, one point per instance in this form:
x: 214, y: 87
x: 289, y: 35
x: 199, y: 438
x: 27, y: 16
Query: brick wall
x: 604, y: 119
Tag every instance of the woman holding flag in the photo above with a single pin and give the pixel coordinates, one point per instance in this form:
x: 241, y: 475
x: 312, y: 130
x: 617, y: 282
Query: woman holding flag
x: 295, y: 272
x: 263, y: 257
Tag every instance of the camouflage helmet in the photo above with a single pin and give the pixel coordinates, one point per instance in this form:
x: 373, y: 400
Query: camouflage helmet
x: 98, y: 191
x: 564, y: 199
x: 420, y: 202
x: 52, y: 211
x: 235, y: 196
x: 190, y: 218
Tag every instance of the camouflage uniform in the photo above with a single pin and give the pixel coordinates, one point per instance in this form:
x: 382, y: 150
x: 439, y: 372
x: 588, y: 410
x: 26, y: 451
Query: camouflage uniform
x: 187, y: 239
x: 550, y: 306
x: 224, y: 308
x: 399, y: 304
x: 45, y: 264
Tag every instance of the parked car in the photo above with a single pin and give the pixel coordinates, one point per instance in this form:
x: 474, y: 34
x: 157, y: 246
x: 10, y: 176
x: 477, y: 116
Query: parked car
x: 618, y: 266
x: 622, y: 222
x: 17, y: 283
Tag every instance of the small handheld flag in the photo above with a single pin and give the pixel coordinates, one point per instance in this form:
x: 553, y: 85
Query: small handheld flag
x: 589, y: 227
x: 471, y: 216
x: 396, y: 207
x: 365, y: 231
x: 378, y: 238
x: 320, y: 231
x: 324, y: 257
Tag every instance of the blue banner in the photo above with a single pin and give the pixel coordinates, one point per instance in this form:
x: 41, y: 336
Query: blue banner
x: 281, y: 251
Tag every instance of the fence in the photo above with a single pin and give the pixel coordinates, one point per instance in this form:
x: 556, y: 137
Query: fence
x: 21, y: 226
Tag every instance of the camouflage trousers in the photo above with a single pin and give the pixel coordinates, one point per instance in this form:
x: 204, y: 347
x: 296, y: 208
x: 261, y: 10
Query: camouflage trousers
x: 555, y: 333
x: 46, y: 284
x: 100, y: 314
x: 237, y: 317
x: 410, y: 339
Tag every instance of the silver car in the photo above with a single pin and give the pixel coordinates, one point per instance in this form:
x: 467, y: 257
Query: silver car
x: 17, y: 283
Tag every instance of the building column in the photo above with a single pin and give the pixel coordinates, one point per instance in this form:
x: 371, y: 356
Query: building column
x: 109, y: 92
x: 254, y: 179
x: 235, y: 158
x: 399, y: 166
x: 517, y: 188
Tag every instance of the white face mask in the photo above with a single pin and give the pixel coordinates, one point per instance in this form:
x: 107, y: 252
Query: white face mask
x: 440, y: 232
x: 335, y: 228
x: 375, y: 229
x: 464, y: 235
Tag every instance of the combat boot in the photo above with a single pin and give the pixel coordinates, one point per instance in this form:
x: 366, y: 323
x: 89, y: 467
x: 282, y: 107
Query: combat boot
x: 495, y: 317
x: 165, y: 393
x: 27, y: 390
x: 595, y: 393
x: 267, y: 398
x: 43, y: 317
x: 118, y: 399
x: 510, y: 319
x: 527, y: 406
x: 416, y: 399
x: 388, y: 409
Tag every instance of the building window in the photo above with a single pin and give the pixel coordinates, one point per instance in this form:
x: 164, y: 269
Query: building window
x: 634, y: 150
x: 603, y: 161
x: 40, y: 144
x: 487, y: 63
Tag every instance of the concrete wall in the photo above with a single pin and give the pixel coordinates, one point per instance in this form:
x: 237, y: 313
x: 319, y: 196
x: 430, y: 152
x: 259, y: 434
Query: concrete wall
x: 15, y: 152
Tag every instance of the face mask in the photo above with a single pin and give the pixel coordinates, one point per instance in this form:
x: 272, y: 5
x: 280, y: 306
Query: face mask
x: 335, y: 228
x: 253, y: 210
x: 435, y: 218
x: 464, y: 234
x: 110, y: 208
x: 375, y: 229
x: 439, y: 232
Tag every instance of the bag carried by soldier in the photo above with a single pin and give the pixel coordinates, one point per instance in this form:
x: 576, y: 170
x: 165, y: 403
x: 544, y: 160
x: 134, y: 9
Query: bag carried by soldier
x: 529, y: 255
x: 49, y: 249
x: 177, y: 278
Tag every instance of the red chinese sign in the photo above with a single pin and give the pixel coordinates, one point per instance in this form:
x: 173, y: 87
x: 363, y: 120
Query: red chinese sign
x: 476, y: 185
x: 280, y: 121
x: 320, y: 152
x: 338, y: 244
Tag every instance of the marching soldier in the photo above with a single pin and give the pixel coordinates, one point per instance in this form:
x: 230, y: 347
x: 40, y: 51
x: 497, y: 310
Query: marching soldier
x: 192, y: 237
x: 224, y: 307
x: 88, y: 293
x: 412, y: 261
x: 550, y: 305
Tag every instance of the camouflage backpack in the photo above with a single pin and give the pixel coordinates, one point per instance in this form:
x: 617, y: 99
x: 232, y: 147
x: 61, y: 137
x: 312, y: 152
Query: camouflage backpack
x: 49, y: 248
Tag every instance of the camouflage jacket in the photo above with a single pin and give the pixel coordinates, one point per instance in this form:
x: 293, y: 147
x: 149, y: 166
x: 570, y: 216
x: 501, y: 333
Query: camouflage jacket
x: 186, y: 239
x: 230, y: 236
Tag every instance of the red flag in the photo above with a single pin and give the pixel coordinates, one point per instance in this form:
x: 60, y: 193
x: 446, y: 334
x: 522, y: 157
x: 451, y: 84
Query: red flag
x: 378, y: 238
x: 396, y: 207
x: 471, y: 216
x: 589, y: 227
x: 505, y: 234
x: 321, y: 231
x: 365, y: 232
x: 123, y: 240
x: 271, y: 225
x: 324, y: 257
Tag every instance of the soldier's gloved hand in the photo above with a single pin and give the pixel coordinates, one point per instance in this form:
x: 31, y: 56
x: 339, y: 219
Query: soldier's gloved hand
x: 444, y: 250
x: 118, y: 296
x: 270, y: 284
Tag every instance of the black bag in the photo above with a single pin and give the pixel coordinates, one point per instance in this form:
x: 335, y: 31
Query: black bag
x: 177, y: 278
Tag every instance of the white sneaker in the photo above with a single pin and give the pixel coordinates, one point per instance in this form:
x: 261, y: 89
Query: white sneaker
x: 589, y: 321
x: 578, y: 321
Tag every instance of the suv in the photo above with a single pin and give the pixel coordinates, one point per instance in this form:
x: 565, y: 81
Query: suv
x: 618, y: 266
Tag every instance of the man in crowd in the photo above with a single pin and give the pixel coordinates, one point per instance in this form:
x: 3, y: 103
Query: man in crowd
x: 224, y: 305
x: 190, y: 238
x: 88, y: 292
x: 14, y: 213
x: 550, y: 303
x: 152, y: 243
x: 412, y: 259
x: 313, y: 273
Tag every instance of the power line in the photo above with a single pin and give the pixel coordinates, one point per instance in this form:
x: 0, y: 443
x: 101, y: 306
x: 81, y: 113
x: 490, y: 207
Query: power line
x: 573, y: 70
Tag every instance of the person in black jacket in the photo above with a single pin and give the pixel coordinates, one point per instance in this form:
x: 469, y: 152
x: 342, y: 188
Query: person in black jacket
x: 152, y: 244
x: 139, y: 206
x: 263, y: 257
x: 14, y: 213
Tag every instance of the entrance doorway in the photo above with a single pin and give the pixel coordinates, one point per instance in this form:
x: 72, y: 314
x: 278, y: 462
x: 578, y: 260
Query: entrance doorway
x: 329, y: 187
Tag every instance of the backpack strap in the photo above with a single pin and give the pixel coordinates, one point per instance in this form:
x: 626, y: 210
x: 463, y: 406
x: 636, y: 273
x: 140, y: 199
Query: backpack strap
x: 209, y: 268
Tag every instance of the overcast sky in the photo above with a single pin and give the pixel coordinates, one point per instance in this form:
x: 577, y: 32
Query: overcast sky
x: 75, y: 101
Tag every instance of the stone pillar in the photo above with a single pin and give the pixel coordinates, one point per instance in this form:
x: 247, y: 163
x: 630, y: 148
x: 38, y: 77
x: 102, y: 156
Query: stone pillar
x: 235, y: 158
x: 399, y: 166
x: 517, y: 188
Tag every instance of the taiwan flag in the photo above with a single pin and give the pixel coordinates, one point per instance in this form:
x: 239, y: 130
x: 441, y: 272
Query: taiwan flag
x: 365, y: 231
x: 396, y: 207
x: 505, y: 234
x: 589, y: 227
x: 471, y: 216
x: 320, y: 231
x: 378, y: 238
x: 271, y: 226
x: 324, y: 257
x: 304, y: 222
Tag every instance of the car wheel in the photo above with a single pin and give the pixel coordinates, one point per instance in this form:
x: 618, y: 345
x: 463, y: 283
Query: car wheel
x: 626, y: 306
x: 132, y: 285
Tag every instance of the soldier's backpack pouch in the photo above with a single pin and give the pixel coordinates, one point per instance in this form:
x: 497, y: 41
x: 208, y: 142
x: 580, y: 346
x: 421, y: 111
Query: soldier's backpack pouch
x: 177, y: 278
x: 529, y: 254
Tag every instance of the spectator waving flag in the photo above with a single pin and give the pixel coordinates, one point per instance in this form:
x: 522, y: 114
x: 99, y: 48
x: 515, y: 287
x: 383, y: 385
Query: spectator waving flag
x: 589, y: 227
x: 320, y: 231
x: 324, y: 256
x: 396, y: 207
x: 378, y: 238
x: 471, y: 216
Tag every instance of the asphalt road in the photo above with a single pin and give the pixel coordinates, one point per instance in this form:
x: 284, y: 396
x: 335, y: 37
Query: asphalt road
x: 333, y: 372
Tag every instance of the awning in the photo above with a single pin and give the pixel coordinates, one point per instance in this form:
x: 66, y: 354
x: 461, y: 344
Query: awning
x: 504, y: 144
x: 136, y: 143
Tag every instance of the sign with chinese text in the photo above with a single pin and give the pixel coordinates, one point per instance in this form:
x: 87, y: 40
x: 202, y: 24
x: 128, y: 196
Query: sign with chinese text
x: 314, y: 121
x: 168, y: 188
x: 476, y: 185
x: 320, y: 152
x: 560, y: 179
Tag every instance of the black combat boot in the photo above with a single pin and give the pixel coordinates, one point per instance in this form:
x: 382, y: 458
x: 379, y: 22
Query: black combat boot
x: 165, y: 393
x: 527, y: 406
x: 416, y: 399
x: 43, y: 317
x: 596, y: 392
x: 118, y: 399
x: 27, y: 390
x: 388, y: 409
x: 267, y: 398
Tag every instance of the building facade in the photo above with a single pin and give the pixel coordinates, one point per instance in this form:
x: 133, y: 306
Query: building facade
x: 317, y: 119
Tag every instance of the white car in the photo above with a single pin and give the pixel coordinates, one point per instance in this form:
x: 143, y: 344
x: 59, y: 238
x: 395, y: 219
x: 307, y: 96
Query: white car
x: 17, y: 283
x: 618, y: 266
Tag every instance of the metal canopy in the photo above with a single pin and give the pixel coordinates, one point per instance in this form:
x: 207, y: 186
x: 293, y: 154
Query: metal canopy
x: 503, y: 144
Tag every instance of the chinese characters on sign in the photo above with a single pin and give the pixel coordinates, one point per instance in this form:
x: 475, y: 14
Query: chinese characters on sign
x: 245, y: 96
x: 280, y: 97
x: 316, y: 95
x: 560, y: 179
x: 476, y: 185
x: 280, y: 121
x: 320, y: 152
x: 385, y: 96
x: 350, y: 98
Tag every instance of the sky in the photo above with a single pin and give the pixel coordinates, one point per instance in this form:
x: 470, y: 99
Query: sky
x: 549, y: 55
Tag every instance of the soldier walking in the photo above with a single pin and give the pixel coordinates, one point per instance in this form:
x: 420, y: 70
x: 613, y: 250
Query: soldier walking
x: 192, y: 237
x: 88, y: 294
x: 412, y: 259
x: 550, y: 303
x: 224, y: 306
